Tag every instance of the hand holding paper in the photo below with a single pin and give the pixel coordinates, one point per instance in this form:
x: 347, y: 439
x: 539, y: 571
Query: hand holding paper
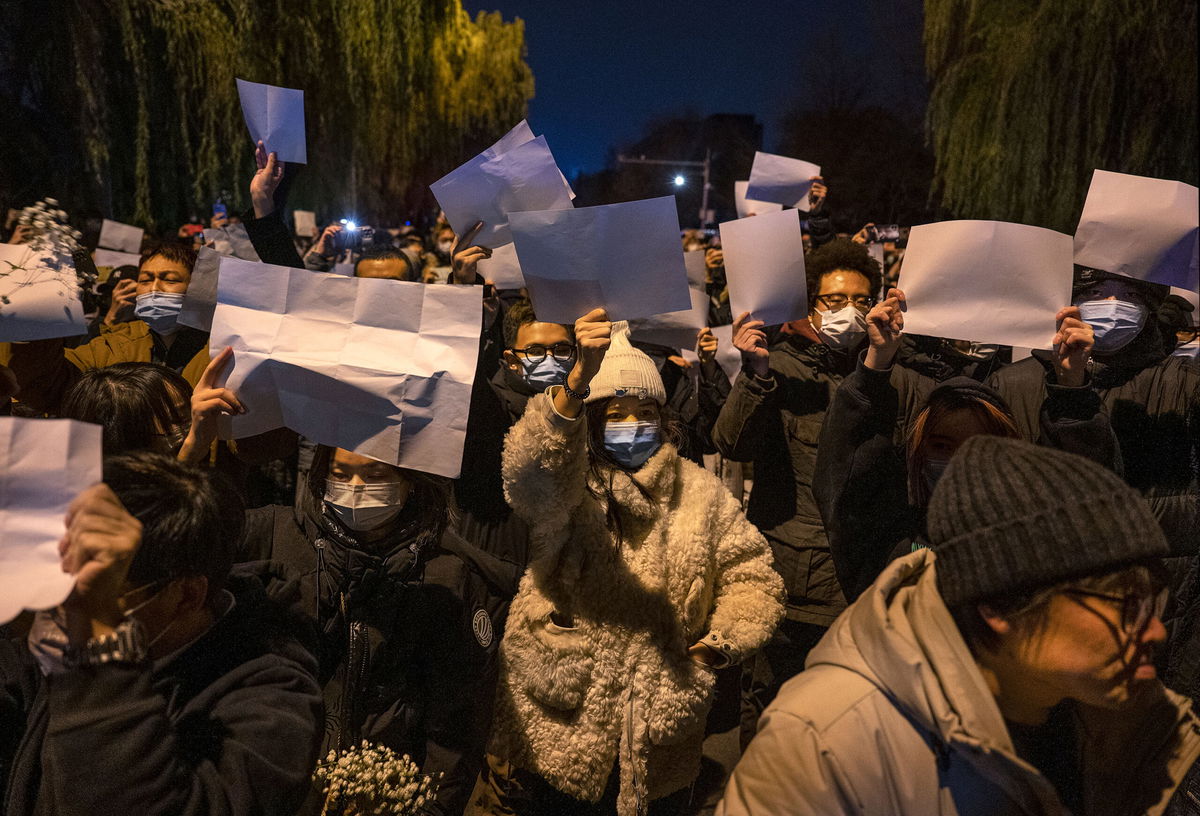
x: 44, y: 465
x: 987, y: 281
x: 275, y: 117
x: 782, y: 180
x: 101, y: 541
x: 267, y: 176
x: 885, y: 325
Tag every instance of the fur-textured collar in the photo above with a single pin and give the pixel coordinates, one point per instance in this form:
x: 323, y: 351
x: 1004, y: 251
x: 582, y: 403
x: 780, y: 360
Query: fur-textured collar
x: 656, y: 478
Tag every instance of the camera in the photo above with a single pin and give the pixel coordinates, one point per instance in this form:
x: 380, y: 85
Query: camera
x: 353, y: 236
x: 883, y: 233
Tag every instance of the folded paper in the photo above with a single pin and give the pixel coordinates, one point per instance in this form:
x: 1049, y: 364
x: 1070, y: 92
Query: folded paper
x: 626, y: 258
x: 781, y: 179
x: 764, y: 265
x: 275, y: 116
x: 492, y: 185
x: 987, y: 281
x: 121, y: 237
x: 380, y: 367
x: 39, y: 295
x: 44, y: 465
x: 1144, y: 228
x: 231, y: 241
x: 305, y: 222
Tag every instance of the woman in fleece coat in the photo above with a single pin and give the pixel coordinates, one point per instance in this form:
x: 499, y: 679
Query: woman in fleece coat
x: 645, y: 578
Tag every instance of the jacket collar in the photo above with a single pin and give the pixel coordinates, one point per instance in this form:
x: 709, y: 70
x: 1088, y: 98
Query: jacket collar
x: 900, y: 636
x: 656, y: 479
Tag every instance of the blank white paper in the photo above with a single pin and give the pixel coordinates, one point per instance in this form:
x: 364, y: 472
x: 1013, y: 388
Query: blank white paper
x: 781, y: 179
x: 764, y: 265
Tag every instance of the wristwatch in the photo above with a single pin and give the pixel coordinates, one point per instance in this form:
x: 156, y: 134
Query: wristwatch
x: 125, y: 644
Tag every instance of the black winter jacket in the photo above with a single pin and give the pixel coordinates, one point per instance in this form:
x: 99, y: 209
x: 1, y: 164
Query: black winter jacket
x: 861, y: 479
x: 228, y: 726
x: 408, y: 636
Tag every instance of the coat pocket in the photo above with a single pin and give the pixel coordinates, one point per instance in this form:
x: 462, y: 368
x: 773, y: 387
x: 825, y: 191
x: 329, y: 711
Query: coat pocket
x: 555, y: 664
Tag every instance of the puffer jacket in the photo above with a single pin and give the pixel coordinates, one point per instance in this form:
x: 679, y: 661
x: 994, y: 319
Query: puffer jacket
x: 776, y: 424
x: 892, y: 716
x: 594, y: 663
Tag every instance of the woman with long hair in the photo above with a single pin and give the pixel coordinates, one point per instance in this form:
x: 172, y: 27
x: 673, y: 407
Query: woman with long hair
x: 644, y: 578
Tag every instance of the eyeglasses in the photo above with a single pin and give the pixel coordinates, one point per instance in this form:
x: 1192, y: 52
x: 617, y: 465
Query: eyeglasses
x: 835, y: 302
x: 1136, y: 610
x: 1187, y: 335
x: 537, y: 352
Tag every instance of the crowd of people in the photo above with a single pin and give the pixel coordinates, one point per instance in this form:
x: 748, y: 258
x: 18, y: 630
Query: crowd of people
x: 872, y: 573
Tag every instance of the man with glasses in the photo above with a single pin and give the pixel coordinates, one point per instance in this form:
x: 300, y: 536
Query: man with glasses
x: 536, y: 356
x: 1007, y: 669
x: 773, y: 418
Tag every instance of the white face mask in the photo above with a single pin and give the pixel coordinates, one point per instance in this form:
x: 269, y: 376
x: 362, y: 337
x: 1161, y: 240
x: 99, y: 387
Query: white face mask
x: 843, y: 328
x: 1189, y: 350
x: 365, y: 507
x: 1115, y: 322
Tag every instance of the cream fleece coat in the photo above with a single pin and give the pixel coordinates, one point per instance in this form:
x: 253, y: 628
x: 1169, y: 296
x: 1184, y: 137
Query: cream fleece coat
x: 615, y: 683
x: 892, y: 716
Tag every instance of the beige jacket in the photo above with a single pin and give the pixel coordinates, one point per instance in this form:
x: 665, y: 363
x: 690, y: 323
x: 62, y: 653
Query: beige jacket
x: 616, y: 681
x: 892, y: 716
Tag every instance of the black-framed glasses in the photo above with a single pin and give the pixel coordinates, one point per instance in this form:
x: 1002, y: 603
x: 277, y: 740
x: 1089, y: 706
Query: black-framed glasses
x: 1187, y: 335
x: 1136, y: 610
x: 835, y: 302
x: 536, y: 352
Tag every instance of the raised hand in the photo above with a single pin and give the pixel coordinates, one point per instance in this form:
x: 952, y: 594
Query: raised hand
x: 885, y: 325
x: 706, y: 345
x: 750, y: 339
x: 863, y: 235
x: 465, y: 256
x: 714, y: 259
x: 265, y: 181
x: 593, y: 335
x: 124, y: 298
x: 1073, y: 341
x: 326, y: 245
x: 99, y: 545
x: 817, y: 193
x: 208, y: 403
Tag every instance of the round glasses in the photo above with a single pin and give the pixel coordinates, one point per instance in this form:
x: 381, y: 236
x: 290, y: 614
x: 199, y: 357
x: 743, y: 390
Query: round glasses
x: 536, y: 352
x: 1136, y: 610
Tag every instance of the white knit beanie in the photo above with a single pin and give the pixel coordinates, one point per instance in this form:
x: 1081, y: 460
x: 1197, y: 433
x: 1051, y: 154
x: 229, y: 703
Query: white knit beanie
x: 626, y: 370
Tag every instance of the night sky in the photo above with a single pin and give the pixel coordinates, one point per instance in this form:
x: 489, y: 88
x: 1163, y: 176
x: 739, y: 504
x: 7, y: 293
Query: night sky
x: 603, y: 70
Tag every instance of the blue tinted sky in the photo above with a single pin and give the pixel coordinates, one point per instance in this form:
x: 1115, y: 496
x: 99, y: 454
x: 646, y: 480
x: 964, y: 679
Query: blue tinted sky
x: 604, y: 69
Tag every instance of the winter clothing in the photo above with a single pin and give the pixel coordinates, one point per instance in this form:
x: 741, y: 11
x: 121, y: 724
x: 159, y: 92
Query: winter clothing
x: 893, y: 716
x: 939, y: 359
x: 861, y: 478
x: 46, y: 370
x: 626, y: 370
x: 776, y: 422
x: 1153, y: 402
x: 1000, y: 514
x: 694, y: 395
x: 408, y: 629
x: 594, y: 663
x: 227, y: 726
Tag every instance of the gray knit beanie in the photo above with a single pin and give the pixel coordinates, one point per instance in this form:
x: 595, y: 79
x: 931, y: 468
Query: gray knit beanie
x: 1010, y: 516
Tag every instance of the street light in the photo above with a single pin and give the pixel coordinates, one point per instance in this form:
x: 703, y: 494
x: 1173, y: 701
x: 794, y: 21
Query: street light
x: 679, y: 181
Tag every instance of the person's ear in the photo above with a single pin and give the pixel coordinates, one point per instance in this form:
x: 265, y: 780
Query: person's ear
x: 997, y: 623
x: 512, y: 360
x: 193, y: 592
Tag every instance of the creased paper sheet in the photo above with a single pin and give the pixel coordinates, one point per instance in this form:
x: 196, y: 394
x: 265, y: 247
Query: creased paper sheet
x: 729, y: 358
x: 987, y: 281
x: 201, y: 297
x: 764, y: 264
x: 44, y: 464
x: 275, y: 116
x: 39, y: 295
x: 121, y: 237
x: 626, y: 258
x: 489, y: 187
x: 1144, y: 228
x: 781, y: 179
x: 113, y: 259
x: 678, y: 329
x: 305, y: 222
x: 749, y: 206
x: 503, y: 269
x: 380, y: 367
